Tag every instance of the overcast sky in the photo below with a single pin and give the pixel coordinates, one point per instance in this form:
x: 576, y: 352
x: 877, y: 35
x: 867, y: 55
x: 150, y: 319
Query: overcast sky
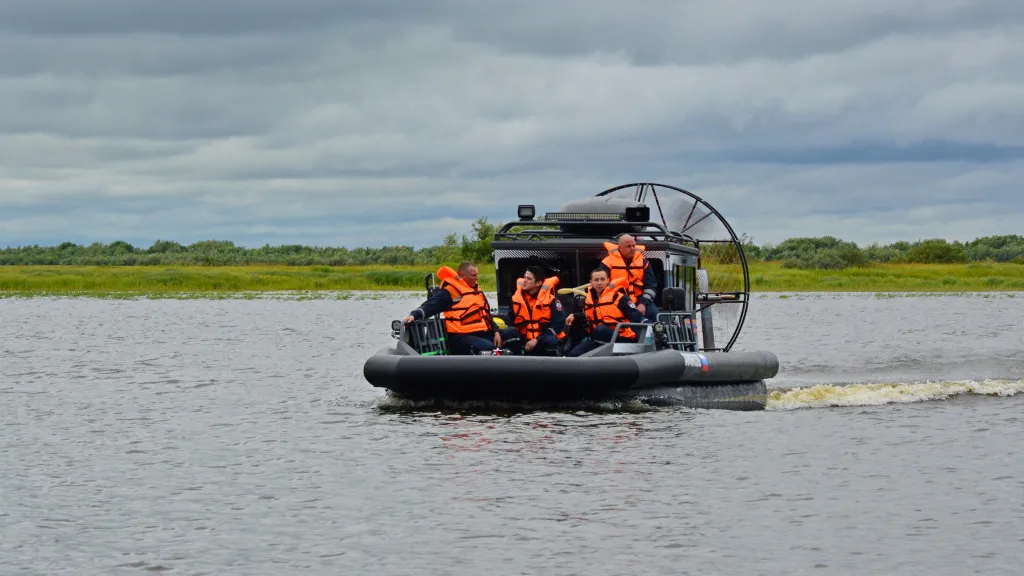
x: 377, y: 122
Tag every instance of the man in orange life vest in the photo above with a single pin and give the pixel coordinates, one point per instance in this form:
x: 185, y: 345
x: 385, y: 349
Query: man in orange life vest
x: 538, y: 321
x: 467, y: 312
x: 606, y: 305
x: 634, y: 272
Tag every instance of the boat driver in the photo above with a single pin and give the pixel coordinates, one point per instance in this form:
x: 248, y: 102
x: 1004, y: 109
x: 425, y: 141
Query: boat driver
x: 628, y: 265
x: 467, y: 318
x: 606, y: 305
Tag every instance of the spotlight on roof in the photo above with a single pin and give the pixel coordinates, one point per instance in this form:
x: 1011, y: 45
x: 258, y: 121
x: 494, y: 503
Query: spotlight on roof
x: 526, y: 211
x: 638, y: 213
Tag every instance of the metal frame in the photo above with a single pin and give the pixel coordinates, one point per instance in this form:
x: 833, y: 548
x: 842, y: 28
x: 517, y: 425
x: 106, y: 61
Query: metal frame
x: 643, y: 188
x: 536, y: 231
x: 428, y: 337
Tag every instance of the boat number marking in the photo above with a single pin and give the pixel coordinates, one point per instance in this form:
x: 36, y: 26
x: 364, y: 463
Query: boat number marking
x: 695, y: 360
x: 691, y: 359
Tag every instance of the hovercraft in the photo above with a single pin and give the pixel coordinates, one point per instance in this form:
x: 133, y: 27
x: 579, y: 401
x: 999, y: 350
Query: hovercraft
x: 704, y: 286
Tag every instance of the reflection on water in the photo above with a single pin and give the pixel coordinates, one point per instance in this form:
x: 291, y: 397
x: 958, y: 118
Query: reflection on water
x: 238, y: 437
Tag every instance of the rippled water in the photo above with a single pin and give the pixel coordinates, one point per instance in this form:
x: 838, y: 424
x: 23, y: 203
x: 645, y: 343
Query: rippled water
x: 239, y: 437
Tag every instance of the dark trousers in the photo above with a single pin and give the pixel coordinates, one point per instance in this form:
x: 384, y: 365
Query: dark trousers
x: 600, y: 335
x: 464, y: 344
x: 547, y: 344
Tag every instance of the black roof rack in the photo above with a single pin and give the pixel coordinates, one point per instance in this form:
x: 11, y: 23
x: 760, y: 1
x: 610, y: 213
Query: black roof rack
x: 567, y: 226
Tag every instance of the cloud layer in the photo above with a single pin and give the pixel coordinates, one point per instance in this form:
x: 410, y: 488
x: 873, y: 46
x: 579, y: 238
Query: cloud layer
x: 386, y: 122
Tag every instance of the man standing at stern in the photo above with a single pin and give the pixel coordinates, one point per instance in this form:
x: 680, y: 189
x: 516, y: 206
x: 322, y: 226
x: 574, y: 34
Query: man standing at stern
x: 633, y: 273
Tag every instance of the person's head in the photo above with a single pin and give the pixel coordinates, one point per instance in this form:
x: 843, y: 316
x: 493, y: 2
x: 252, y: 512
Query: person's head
x: 468, y: 272
x: 627, y: 246
x: 599, y: 279
x: 532, y: 278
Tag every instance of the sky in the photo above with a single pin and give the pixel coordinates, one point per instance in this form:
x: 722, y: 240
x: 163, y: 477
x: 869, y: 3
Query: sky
x: 385, y: 122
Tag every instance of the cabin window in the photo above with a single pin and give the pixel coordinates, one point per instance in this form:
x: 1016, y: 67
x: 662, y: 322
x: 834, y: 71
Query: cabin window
x: 511, y: 269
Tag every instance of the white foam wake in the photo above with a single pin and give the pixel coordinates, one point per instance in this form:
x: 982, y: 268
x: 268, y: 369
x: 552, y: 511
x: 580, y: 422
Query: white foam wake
x: 824, y: 395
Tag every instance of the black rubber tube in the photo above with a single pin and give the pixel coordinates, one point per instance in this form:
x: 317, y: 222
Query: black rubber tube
x: 526, y: 378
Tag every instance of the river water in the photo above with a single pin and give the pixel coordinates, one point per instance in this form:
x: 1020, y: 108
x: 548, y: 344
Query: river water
x: 239, y: 437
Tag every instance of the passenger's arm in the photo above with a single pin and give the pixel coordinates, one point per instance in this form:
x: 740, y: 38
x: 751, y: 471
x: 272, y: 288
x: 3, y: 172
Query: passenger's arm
x: 439, y: 302
x: 629, y: 309
x: 558, y: 318
x: 650, y: 292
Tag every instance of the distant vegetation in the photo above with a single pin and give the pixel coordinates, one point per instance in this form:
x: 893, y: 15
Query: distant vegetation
x: 829, y: 253
x: 204, y: 281
x: 823, y: 253
x: 476, y: 247
x: 165, y: 280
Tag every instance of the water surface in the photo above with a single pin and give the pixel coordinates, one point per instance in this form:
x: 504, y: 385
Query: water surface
x: 239, y: 437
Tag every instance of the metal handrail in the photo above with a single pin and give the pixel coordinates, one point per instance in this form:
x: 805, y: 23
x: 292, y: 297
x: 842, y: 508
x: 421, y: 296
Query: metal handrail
x: 682, y: 330
x: 679, y: 332
x: 429, y: 337
x: 639, y: 342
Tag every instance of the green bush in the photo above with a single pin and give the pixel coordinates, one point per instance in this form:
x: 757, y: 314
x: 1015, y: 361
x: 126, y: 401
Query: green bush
x: 936, y: 251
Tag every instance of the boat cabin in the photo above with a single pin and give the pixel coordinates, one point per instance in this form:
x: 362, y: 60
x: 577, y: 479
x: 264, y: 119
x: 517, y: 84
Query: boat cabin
x: 570, y: 243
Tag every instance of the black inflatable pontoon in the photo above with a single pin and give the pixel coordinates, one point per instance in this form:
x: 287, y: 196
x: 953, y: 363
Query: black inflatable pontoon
x: 703, y: 281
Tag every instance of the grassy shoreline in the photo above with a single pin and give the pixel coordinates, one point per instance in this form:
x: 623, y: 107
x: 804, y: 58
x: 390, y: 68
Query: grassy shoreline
x: 220, y: 281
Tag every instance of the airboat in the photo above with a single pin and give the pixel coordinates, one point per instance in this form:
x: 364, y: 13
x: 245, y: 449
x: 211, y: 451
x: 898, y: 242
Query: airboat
x: 684, y: 358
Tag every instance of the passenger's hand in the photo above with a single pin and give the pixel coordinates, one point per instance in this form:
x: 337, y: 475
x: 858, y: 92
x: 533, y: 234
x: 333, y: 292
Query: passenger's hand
x: 569, y: 319
x: 408, y: 319
x: 530, y: 345
x: 642, y: 308
x: 497, y: 339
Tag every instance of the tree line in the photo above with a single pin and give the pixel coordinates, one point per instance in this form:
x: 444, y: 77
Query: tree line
x: 825, y: 252
x: 828, y: 252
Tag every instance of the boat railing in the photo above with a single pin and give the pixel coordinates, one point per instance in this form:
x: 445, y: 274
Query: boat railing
x: 645, y: 341
x: 428, y: 337
x: 681, y: 330
x: 676, y: 330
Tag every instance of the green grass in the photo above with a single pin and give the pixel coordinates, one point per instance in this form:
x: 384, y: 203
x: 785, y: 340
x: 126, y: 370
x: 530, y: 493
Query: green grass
x: 212, y: 280
x: 973, y: 277
x: 233, y: 281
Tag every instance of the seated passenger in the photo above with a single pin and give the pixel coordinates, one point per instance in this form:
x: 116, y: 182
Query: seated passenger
x: 606, y: 305
x: 538, y: 321
x: 467, y: 314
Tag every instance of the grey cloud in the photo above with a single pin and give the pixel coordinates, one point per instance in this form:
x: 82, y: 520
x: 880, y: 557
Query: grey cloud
x: 652, y: 32
x: 195, y: 17
x: 330, y: 120
x: 140, y: 54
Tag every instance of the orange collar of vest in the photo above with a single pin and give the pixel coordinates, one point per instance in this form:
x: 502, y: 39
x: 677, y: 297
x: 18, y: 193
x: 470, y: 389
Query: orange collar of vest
x: 446, y: 274
x: 613, y: 249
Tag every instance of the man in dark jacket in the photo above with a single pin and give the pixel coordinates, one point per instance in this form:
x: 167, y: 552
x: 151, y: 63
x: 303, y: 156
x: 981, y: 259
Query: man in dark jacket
x: 467, y: 313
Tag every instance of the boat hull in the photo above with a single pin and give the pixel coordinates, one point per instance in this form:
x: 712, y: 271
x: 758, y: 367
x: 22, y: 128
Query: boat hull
x: 733, y: 380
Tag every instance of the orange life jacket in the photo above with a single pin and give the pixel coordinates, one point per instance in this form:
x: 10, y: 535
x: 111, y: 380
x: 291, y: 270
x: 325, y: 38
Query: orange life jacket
x: 471, y: 312
x: 533, y: 318
x: 606, y: 310
x: 632, y: 275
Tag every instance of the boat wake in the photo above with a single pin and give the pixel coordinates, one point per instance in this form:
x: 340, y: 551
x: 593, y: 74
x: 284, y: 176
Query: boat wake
x: 779, y: 399
x: 837, y: 395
